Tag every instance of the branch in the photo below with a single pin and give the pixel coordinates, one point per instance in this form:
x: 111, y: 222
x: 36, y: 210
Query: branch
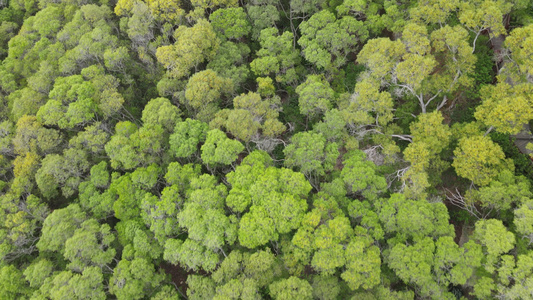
x: 456, y: 199
x: 404, y: 137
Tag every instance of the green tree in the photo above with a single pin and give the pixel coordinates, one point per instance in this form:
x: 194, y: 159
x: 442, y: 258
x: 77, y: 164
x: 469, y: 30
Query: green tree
x: 327, y: 41
x: 291, y: 288
x: 219, y: 149
x: 134, y: 279
x: 230, y: 23
x: 479, y: 159
x: 311, y: 154
x: 193, y: 46
x: 277, y: 57
x: 315, y: 96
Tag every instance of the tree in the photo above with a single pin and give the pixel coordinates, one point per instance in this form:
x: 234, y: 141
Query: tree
x: 230, y: 23
x: 219, y: 149
x: 359, y: 176
x: 13, y: 285
x: 60, y: 226
x: 88, y: 285
x: 204, y: 91
x: 315, y: 96
x: 231, y: 62
x: 524, y: 220
x: 495, y: 239
x: 277, y: 57
x: 63, y: 172
x: 363, y: 263
x: 414, y: 218
x: 518, y: 62
x: 291, y: 288
x: 479, y: 159
x: 252, y: 119
x: 90, y: 245
x: 327, y: 41
x: 505, y: 108
x: 309, y: 152
x: 160, y: 111
x: 263, y: 14
x: 134, y: 279
x: 193, y: 46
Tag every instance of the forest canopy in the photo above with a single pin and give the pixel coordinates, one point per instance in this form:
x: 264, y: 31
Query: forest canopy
x: 260, y: 149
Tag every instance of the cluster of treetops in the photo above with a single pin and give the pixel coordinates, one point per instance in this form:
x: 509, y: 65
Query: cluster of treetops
x: 263, y: 149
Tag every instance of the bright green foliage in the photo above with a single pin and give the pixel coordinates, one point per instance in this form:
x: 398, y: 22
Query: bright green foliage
x: 430, y: 130
x: 523, y: 220
x: 160, y: 111
x: 479, y: 159
x: 519, y: 66
x: 256, y: 228
x: 262, y: 16
x: 277, y: 201
x: 363, y: 263
x: 250, y: 115
x: 25, y: 102
x: 31, y: 136
x: 503, y: 192
x: 368, y: 105
x: 204, y: 91
x: 219, y: 149
x: 277, y: 56
x: 422, y: 264
x: 90, y: 246
x: 326, y: 287
x: 409, y: 63
x: 186, y: 137
x: 506, y: 108
x: 61, y: 172
x: 327, y: 41
x: 66, y: 284
x: 134, y: 279
x: 333, y: 126
x: 129, y: 197
x: 159, y: 213
x: 244, y: 176
x: 168, y: 292
x: 495, y: 239
x: 414, y: 218
x: 360, y: 176
x: 12, y: 284
x: 22, y: 218
x: 191, y: 254
x: 291, y: 288
x: 193, y: 46
x: 200, y: 287
x: 315, y: 96
x: 311, y: 154
x: 37, y: 273
x: 242, y: 274
x: 231, y: 63
x: 130, y: 147
x: 306, y: 7
x: 60, y: 226
x: 146, y: 178
x: 92, y: 139
x: 324, y: 231
x: 138, y: 241
x: 230, y: 22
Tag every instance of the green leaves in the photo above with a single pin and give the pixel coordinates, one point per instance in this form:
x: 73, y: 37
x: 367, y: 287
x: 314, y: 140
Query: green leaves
x: 479, y: 159
x: 219, y: 149
x: 311, y: 154
x: 326, y: 41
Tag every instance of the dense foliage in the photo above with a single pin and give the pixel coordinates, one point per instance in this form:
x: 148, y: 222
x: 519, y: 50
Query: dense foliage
x: 259, y: 149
